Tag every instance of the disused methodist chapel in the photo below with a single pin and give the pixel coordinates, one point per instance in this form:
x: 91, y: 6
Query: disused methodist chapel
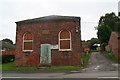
x: 51, y: 40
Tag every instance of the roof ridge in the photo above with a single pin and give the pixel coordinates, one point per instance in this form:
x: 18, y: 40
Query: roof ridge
x: 49, y: 17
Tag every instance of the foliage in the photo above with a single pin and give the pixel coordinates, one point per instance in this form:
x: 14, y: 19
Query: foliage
x: 93, y: 41
x: 108, y: 23
x: 109, y: 20
x: 118, y: 26
x: 104, y: 33
x: 0, y: 67
x: 7, y: 58
x: 0, y: 62
x: 8, y: 40
x: 111, y: 56
x: 85, y: 58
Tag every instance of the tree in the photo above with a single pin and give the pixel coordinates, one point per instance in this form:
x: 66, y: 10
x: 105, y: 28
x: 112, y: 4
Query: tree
x: 109, y: 20
x: 107, y: 24
x: 8, y: 40
x: 104, y: 33
x: 118, y: 26
x: 93, y: 41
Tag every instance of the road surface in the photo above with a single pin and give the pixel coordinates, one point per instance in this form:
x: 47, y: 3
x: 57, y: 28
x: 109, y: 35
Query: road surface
x: 64, y: 79
x: 98, y: 62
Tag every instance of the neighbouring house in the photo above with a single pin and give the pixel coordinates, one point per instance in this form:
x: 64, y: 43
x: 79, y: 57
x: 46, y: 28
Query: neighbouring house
x: 50, y: 40
x: 7, y: 48
x: 85, y: 47
x: 114, y: 44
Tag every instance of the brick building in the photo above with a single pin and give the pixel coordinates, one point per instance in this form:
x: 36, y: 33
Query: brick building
x: 7, y: 48
x: 85, y: 47
x: 50, y: 40
x: 114, y: 44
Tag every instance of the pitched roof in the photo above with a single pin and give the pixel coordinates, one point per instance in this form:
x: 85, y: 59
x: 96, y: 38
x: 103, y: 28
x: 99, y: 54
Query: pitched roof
x: 4, y: 44
x: 51, y: 17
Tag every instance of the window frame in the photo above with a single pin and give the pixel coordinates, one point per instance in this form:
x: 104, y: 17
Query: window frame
x: 23, y: 47
x: 64, y: 40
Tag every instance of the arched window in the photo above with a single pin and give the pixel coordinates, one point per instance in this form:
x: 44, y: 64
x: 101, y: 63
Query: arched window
x: 64, y: 40
x: 28, y: 42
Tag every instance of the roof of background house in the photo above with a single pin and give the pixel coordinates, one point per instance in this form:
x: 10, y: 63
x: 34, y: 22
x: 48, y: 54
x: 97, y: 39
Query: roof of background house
x: 4, y: 44
x: 51, y: 17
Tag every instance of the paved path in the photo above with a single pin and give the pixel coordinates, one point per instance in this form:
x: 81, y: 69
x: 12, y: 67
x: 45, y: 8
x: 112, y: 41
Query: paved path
x: 98, y: 62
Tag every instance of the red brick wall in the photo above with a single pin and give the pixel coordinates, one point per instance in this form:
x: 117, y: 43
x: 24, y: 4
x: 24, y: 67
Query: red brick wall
x: 85, y: 48
x: 119, y: 48
x: 50, y: 37
x: 9, y: 52
x: 113, y: 43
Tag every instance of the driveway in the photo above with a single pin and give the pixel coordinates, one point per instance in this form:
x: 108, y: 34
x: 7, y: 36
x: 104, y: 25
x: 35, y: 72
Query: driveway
x: 98, y: 62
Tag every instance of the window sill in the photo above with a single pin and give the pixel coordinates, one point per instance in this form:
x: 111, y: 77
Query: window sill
x: 27, y: 50
x: 65, y: 50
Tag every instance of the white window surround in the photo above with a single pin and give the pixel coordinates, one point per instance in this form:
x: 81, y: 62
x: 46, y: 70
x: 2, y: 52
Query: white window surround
x: 65, y: 39
x: 23, y: 45
x: 27, y: 50
x: 24, y: 42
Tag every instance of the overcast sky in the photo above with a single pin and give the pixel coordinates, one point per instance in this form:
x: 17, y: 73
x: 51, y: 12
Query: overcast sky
x: 89, y: 11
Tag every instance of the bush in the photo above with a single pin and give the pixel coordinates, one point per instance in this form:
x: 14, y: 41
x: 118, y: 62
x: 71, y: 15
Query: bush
x: 8, y: 58
x: 85, y: 58
x: 0, y: 59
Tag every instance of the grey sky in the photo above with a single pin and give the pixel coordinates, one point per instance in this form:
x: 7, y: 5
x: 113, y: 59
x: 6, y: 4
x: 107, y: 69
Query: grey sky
x: 89, y: 11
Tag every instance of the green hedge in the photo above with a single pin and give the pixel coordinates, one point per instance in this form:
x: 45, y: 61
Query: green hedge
x: 8, y: 58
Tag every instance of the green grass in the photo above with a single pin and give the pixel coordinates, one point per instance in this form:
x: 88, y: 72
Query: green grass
x: 0, y: 67
x: 66, y: 68
x: 85, y: 58
x: 111, y: 56
x: 11, y: 67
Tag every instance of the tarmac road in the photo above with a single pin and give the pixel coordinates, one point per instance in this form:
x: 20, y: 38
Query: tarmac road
x: 104, y: 75
x: 64, y: 79
x: 98, y: 62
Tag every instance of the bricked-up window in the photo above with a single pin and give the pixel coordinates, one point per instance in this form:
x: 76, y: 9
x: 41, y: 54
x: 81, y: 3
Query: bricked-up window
x: 64, y: 40
x: 28, y: 42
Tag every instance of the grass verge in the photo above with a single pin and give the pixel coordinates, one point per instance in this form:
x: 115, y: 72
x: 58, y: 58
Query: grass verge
x: 11, y: 67
x: 111, y: 56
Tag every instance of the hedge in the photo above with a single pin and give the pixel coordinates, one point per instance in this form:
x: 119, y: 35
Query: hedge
x: 7, y: 58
